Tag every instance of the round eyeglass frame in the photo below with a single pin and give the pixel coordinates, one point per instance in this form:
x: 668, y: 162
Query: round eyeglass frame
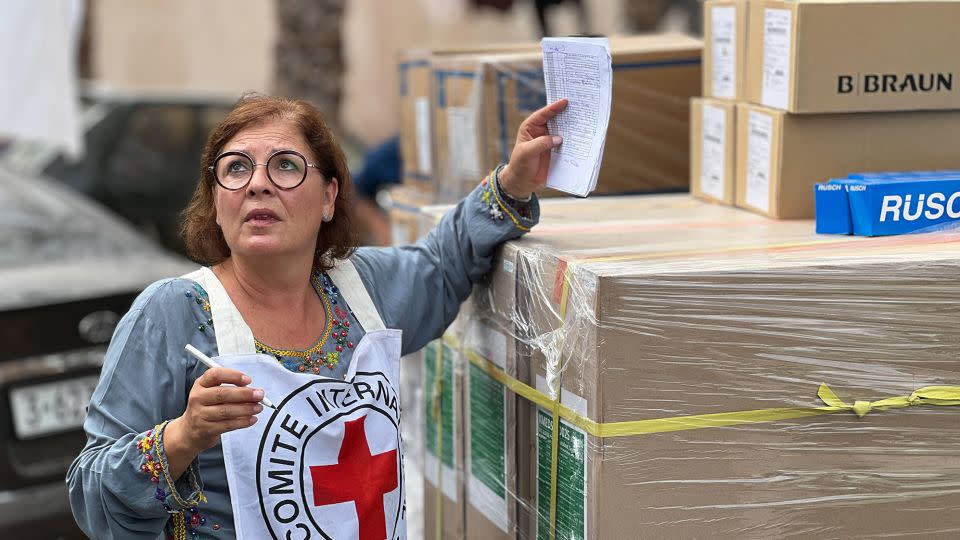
x: 216, y: 178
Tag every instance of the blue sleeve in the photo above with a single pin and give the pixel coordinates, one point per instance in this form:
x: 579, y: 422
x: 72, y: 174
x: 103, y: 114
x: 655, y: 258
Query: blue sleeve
x: 117, y: 484
x: 419, y: 288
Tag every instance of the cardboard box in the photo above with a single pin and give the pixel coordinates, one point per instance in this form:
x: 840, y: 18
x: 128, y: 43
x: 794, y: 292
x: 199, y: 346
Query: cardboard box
x: 411, y: 432
x: 457, y: 122
x: 406, y: 203
x: 477, y: 422
x: 490, y: 410
x: 417, y: 142
x: 499, y: 304
x: 780, y: 156
x: 443, y: 466
x: 485, y: 327
x: 725, y: 48
x: 713, y: 139
x: 482, y: 99
x: 717, y: 311
x: 819, y: 56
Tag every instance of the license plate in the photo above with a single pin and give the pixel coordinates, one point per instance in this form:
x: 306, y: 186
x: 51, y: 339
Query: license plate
x: 51, y: 407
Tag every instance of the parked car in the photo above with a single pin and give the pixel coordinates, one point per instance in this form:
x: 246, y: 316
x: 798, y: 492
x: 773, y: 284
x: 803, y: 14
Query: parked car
x: 142, y: 156
x: 68, y: 271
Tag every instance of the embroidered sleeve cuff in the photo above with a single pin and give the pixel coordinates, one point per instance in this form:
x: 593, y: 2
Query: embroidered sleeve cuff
x: 500, y: 206
x: 175, y: 495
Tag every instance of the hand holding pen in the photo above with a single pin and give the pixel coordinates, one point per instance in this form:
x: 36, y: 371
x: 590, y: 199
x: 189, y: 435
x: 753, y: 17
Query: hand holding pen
x: 211, y: 363
x: 220, y: 401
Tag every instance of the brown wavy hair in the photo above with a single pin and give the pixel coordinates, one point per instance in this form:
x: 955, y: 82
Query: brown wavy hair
x: 336, y: 240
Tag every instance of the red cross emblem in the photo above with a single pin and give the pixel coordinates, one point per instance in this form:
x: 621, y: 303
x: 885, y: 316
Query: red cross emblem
x: 359, y: 477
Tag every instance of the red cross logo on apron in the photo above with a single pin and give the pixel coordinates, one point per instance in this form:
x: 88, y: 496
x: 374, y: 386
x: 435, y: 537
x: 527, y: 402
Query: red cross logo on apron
x: 358, y: 477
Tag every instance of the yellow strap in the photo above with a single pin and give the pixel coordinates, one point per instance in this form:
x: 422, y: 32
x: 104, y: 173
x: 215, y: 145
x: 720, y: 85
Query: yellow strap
x: 929, y: 395
x: 554, y: 459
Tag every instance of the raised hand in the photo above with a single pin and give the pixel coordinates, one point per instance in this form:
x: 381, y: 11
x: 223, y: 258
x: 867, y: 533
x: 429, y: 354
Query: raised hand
x: 530, y: 159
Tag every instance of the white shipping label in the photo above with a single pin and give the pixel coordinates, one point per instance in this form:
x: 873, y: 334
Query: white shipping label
x: 759, y: 136
x: 464, y: 152
x: 713, y: 151
x: 723, y: 30
x: 776, y: 58
x: 489, y: 343
x: 424, y: 144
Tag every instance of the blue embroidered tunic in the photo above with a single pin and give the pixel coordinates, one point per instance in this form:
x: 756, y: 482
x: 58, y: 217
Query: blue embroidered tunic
x: 118, y: 484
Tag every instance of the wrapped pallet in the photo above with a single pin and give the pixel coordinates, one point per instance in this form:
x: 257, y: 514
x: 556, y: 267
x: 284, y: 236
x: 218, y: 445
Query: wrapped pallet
x: 681, y: 369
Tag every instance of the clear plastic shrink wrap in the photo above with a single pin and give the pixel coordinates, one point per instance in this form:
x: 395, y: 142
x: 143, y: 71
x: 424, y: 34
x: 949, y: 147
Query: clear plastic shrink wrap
x: 713, y: 373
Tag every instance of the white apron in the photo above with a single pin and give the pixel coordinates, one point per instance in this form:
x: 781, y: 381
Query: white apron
x: 327, y: 463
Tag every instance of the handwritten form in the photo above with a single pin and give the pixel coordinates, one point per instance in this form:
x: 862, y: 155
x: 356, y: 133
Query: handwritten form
x: 578, y: 69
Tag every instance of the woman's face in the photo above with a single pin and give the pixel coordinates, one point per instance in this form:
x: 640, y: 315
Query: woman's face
x: 263, y: 220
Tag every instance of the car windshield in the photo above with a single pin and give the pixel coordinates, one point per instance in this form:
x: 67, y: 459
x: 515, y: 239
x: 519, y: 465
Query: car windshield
x: 42, y: 222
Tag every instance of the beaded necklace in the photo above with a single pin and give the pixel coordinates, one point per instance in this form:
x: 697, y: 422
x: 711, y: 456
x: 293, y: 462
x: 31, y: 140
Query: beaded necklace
x: 314, y: 358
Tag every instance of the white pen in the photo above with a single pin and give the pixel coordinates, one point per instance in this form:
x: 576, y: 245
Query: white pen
x: 210, y: 363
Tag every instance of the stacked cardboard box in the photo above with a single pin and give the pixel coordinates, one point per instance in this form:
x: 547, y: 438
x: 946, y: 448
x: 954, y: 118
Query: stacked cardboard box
x: 663, y: 308
x: 405, y: 206
x: 443, y: 489
x: 713, y: 143
x: 805, y: 59
x: 417, y: 94
x: 478, y: 100
x: 780, y: 155
x: 816, y: 100
x: 713, y: 117
x: 416, y: 143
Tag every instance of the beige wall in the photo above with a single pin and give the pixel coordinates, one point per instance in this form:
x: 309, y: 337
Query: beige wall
x: 219, y: 47
x: 225, y: 47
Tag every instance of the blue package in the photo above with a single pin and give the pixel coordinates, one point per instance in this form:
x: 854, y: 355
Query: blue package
x: 903, y: 205
x: 832, y: 208
x: 887, y: 175
x: 832, y: 205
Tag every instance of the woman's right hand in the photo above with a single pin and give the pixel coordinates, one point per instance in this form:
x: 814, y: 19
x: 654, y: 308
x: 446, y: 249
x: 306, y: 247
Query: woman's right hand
x: 212, y: 410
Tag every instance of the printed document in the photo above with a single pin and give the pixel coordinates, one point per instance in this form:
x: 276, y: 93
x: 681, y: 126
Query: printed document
x: 580, y: 70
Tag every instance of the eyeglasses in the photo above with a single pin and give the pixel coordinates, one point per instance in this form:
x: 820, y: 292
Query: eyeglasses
x: 286, y: 169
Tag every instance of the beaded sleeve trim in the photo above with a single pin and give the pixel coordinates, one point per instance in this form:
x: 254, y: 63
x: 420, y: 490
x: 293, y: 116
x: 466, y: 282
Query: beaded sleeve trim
x: 155, y: 465
x: 199, y: 295
x: 493, y: 199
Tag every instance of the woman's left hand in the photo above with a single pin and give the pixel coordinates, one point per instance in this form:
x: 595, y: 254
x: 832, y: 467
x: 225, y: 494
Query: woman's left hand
x: 530, y: 159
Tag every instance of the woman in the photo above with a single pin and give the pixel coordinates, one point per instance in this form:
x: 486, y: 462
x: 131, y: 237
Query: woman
x: 289, y: 305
